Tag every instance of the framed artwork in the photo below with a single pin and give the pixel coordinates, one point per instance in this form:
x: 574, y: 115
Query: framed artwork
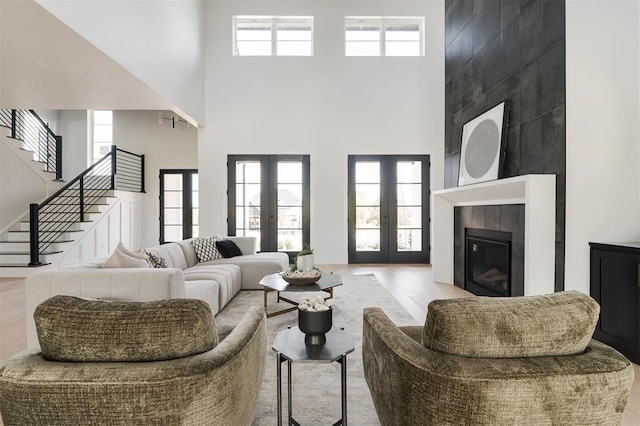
x: 483, y: 146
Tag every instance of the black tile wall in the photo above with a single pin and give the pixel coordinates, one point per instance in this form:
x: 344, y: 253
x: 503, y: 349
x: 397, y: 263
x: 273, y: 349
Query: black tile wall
x: 506, y: 218
x: 510, y: 50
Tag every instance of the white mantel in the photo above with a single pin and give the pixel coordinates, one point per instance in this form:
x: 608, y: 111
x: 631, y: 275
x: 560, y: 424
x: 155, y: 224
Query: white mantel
x: 536, y: 192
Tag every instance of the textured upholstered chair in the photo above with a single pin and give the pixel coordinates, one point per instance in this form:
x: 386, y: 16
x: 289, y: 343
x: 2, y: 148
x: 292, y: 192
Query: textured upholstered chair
x: 496, y: 361
x: 157, y: 362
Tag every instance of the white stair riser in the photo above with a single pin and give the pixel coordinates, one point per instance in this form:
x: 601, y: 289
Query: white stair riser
x: 21, y: 259
x: 24, y: 236
x: 24, y: 246
x: 78, y: 226
x: 44, y: 217
x: 67, y: 209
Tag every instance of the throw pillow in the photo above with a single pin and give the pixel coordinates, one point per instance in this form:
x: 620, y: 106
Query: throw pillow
x: 155, y: 261
x: 73, y: 329
x: 124, y: 258
x: 205, y: 249
x: 228, y: 248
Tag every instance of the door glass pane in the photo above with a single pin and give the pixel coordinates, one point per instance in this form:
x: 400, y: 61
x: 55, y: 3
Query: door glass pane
x: 410, y: 240
x: 172, y: 182
x: 368, y: 194
x: 368, y: 172
x: 367, y: 240
x: 248, y: 194
x: 409, y: 194
x: 195, y: 228
x: 172, y: 216
x: 367, y: 217
x: 289, y: 172
x: 367, y: 206
x: 173, y: 199
x: 248, y: 190
x: 289, y: 214
x: 290, y: 194
x: 180, y: 205
x: 289, y: 240
x: 409, y: 217
x: 173, y: 233
x: 247, y: 172
x: 409, y: 171
x: 290, y: 217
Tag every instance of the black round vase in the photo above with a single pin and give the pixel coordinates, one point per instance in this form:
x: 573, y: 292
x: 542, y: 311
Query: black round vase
x: 314, y: 325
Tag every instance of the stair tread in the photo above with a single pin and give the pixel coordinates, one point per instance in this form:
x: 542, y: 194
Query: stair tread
x: 69, y: 230
x: 22, y: 253
x: 21, y: 265
x: 47, y: 241
x: 60, y: 221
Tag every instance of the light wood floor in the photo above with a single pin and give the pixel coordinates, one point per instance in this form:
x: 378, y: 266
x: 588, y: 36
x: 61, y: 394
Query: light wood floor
x: 411, y: 285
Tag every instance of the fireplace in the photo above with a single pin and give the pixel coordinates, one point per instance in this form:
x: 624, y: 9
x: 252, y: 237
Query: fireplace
x: 488, y: 262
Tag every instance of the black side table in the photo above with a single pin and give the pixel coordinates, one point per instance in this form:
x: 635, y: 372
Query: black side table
x: 289, y: 346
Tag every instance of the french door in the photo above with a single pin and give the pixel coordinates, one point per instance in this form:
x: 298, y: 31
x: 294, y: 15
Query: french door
x: 388, y: 199
x: 268, y: 198
x: 178, y: 205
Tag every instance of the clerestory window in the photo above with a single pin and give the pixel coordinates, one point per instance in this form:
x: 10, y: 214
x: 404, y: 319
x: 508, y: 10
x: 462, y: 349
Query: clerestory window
x: 384, y: 36
x: 273, y: 36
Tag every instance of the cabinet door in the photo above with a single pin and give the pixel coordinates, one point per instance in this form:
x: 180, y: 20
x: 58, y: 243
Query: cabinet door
x: 614, y: 285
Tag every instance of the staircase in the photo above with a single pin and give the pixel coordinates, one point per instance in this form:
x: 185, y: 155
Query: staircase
x: 50, y: 228
x: 62, y: 231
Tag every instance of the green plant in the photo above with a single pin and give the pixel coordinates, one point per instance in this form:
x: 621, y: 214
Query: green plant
x: 305, y: 251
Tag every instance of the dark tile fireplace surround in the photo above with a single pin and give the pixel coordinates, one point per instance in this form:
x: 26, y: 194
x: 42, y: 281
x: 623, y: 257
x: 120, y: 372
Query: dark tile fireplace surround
x: 506, y: 218
x: 508, y: 50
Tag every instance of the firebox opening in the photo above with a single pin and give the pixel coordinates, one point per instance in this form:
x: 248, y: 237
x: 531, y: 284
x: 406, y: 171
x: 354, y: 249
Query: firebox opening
x: 488, y: 262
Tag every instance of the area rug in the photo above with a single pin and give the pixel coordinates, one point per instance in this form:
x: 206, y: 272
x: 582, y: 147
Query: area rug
x: 316, y: 387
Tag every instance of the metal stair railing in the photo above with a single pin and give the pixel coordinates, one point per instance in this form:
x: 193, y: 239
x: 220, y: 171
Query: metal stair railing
x: 36, y: 136
x: 118, y: 170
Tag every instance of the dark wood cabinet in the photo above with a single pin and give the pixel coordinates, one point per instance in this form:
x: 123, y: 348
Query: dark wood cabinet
x: 615, y: 285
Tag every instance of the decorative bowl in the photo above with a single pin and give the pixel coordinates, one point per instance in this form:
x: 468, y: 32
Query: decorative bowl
x: 296, y: 278
x: 314, y: 325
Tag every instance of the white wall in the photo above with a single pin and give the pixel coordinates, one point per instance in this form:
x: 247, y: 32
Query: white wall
x: 74, y: 130
x: 328, y: 106
x: 164, y: 148
x: 160, y: 42
x: 603, y: 129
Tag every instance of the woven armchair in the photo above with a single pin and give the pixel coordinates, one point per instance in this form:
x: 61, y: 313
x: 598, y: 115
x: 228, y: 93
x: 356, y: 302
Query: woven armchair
x: 155, y: 362
x: 496, y: 361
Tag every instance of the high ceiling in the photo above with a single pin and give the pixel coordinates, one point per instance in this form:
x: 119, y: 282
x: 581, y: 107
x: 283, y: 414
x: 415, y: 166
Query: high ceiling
x: 46, y: 65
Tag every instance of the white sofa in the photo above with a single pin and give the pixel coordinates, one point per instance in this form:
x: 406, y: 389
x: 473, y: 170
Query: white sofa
x: 215, y: 281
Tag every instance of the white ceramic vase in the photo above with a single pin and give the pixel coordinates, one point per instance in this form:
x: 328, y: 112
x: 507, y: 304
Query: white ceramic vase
x: 304, y: 263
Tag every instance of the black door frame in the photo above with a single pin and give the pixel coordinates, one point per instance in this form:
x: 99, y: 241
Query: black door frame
x: 269, y: 198
x: 388, y: 252
x: 187, y: 201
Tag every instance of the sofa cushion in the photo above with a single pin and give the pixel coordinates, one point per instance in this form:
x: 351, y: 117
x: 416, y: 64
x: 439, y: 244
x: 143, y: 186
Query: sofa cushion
x: 74, y: 329
x: 156, y: 261
x: 228, y: 248
x: 206, y: 249
x: 124, y: 258
x: 172, y: 254
x: 496, y: 327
